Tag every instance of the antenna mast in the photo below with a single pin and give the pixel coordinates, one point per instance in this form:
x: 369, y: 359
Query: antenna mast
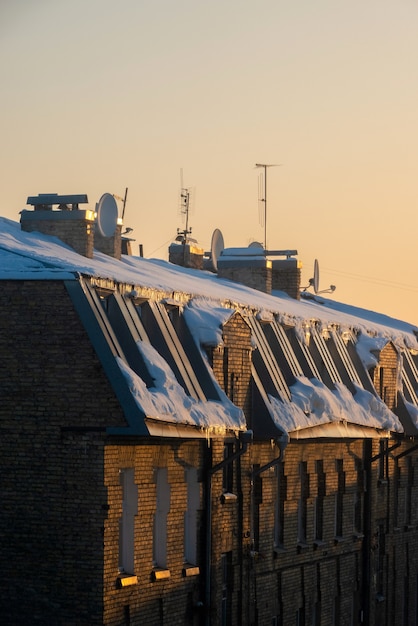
x: 265, y: 166
x: 184, y: 208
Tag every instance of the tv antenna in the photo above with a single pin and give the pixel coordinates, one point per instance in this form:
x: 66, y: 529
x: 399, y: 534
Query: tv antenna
x: 186, y: 197
x: 263, y: 193
x: 123, y: 200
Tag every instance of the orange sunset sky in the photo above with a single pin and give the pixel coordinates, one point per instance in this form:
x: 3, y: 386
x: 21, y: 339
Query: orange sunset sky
x: 98, y: 96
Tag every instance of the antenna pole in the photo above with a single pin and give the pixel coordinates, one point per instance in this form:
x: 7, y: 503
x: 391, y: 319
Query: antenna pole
x: 124, y: 203
x: 265, y: 207
x: 265, y: 166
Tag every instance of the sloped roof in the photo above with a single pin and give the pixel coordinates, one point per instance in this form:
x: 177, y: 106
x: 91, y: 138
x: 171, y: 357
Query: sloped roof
x: 208, y: 302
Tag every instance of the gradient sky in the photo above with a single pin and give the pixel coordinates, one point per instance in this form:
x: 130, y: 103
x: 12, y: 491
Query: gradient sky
x: 98, y: 96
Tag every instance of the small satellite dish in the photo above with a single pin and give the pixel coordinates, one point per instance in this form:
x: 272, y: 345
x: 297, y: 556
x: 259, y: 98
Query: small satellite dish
x: 256, y: 244
x: 216, y: 247
x: 107, y: 215
x: 315, y: 281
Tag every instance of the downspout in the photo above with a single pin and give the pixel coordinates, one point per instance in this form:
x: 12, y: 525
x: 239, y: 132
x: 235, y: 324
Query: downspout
x: 367, y: 452
x: 246, y: 438
x: 281, y: 442
x: 240, y: 536
x: 367, y: 543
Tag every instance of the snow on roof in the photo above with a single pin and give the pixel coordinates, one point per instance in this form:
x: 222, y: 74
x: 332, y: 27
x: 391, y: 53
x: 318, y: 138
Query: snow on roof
x: 36, y: 256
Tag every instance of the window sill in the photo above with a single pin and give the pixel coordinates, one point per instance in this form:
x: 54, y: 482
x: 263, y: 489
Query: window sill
x: 358, y: 536
x: 277, y: 550
x: 339, y: 539
x: 190, y: 570
x: 160, y: 574
x: 126, y: 580
x: 302, y: 547
x: 319, y: 543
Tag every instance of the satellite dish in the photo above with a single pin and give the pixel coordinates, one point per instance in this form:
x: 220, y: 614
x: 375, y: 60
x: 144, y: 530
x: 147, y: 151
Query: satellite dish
x: 314, y: 282
x: 216, y: 247
x: 316, y: 276
x: 107, y: 215
x: 256, y: 244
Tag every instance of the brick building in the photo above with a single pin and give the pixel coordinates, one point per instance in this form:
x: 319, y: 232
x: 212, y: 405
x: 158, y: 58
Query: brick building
x: 179, y: 449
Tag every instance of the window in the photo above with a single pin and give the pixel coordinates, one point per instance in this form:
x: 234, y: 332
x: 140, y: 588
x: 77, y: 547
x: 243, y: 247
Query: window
x: 319, y: 500
x: 227, y: 587
x: 380, y: 558
x: 303, y: 502
x: 339, y: 498
x: 280, y: 502
x: 383, y: 460
x: 336, y: 611
x: 358, y: 498
x: 316, y: 607
x: 127, y: 521
x: 160, y: 518
x: 316, y: 614
x: 409, y: 491
x: 300, y: 616
x: 257, y: 499
x: 190, y: 516
x: 228, y: 470
x: 396, y: 486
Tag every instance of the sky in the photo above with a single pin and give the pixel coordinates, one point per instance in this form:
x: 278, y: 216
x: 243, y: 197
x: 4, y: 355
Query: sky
x: 99, y: 96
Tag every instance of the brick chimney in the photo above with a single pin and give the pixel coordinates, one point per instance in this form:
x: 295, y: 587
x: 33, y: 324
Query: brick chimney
x: 186, y: 254
x: 246, y: 266
x: 76, y: 227
x: 286, y: 276
x: 112, y: 245
x: 72, y: 225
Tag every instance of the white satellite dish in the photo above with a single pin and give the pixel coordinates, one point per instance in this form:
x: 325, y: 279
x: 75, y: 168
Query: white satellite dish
x: 107, y: 215
x: 315, y: 281
x: 216, y: 247
x: 256, y: 244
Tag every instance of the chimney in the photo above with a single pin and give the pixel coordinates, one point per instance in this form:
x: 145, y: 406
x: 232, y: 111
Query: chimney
x: 286, y: 276
x: 247, y: 266
x: 111, y: 245
x: 83, y: 230
x: 186, y: 254
x: 72, y: 225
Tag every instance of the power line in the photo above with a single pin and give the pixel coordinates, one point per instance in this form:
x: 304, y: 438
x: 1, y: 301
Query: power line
x: 159, y: 247
x: 373, y: 280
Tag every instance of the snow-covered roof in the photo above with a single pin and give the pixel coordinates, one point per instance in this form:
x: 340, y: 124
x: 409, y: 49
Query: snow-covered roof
x: 34, y: 256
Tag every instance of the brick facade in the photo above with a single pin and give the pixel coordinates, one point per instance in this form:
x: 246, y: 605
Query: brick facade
x: 325, y: 531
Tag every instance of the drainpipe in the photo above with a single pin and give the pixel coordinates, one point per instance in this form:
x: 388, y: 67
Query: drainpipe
x: 368, y: 461
x: 281, y: 442
x: 245, y: 438
x: 367, y: 455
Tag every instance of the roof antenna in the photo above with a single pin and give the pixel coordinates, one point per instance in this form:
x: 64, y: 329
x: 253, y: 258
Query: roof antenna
x: 186, y: 198
x: 123, y: 200
x: 264, y: 196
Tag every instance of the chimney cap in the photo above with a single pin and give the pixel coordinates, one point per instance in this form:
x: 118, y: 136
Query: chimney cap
x: 49, y: 199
